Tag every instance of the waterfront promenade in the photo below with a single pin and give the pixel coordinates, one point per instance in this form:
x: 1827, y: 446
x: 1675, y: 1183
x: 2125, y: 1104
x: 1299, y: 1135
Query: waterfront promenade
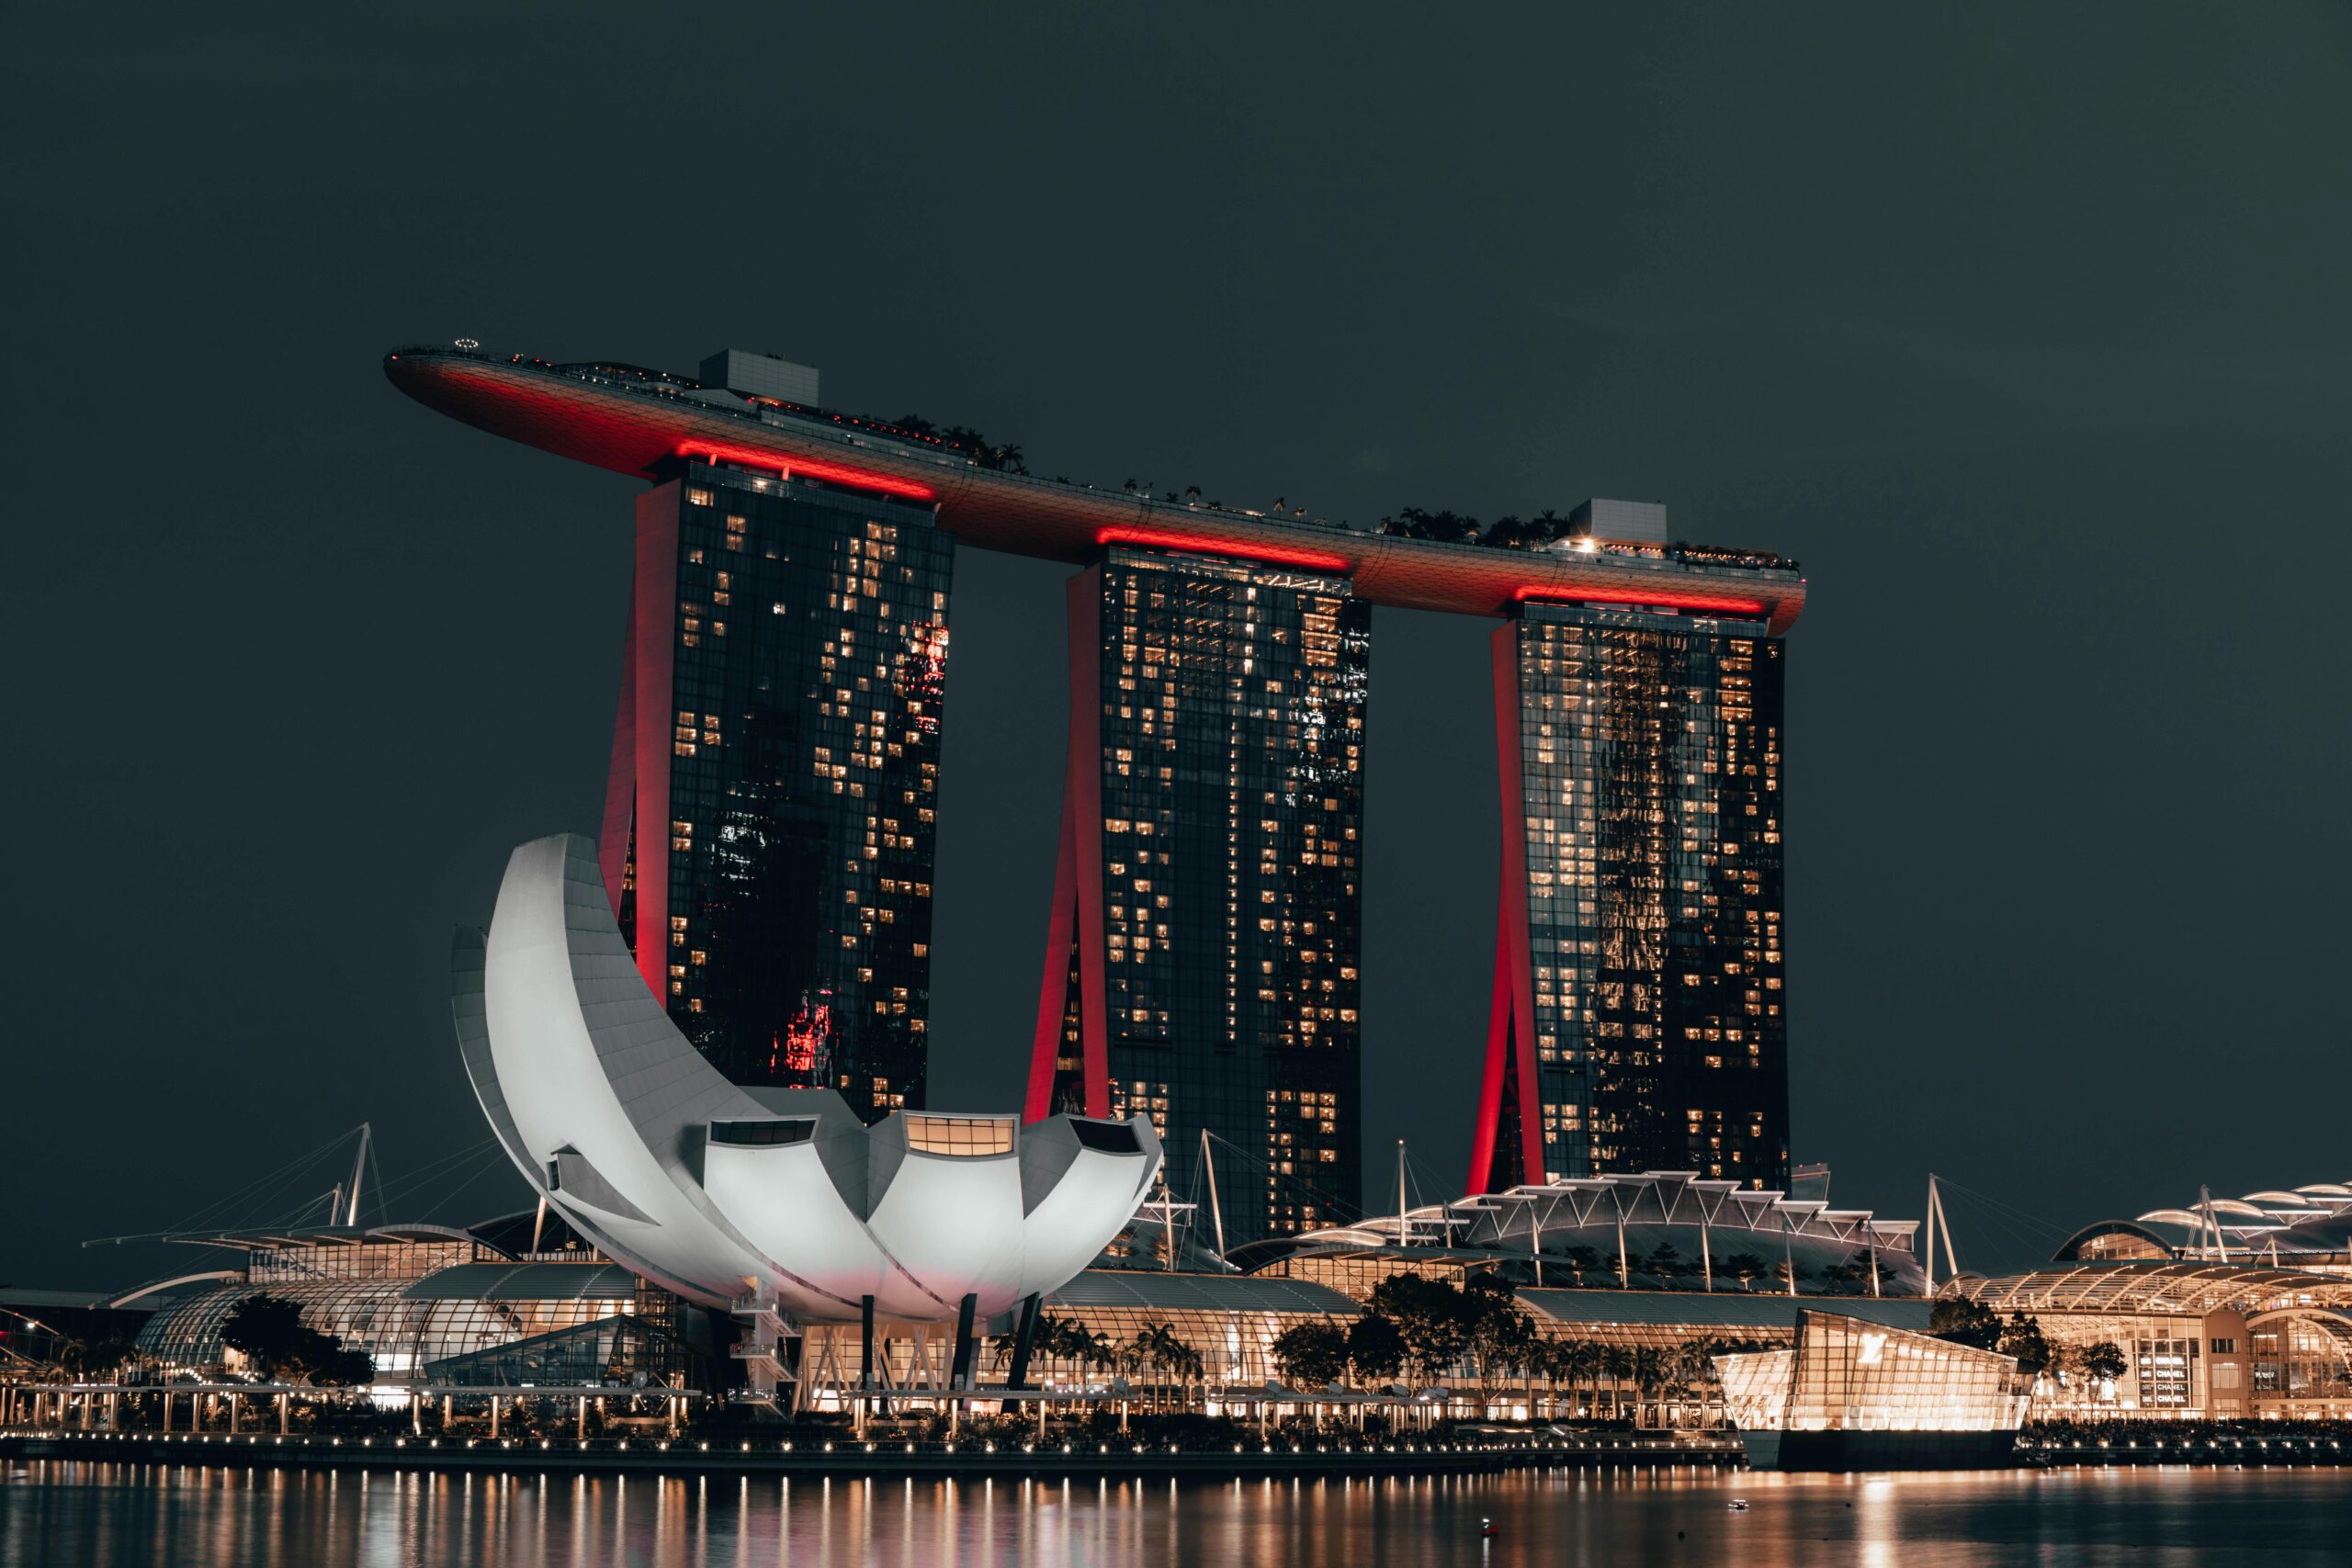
x: 880, y: 1457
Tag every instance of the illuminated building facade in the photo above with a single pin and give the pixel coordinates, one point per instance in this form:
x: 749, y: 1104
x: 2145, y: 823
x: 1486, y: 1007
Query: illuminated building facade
x: 1202, y: 956
x: 769, y: 823
x: 1639, y: 1019
x: 1851, y: 1394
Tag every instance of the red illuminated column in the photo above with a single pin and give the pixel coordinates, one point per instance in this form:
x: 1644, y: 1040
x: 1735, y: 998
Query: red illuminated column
x: 1507, y: 1145
x: 653, y: 642
x: 1077, y: 874
x: 620, y: 782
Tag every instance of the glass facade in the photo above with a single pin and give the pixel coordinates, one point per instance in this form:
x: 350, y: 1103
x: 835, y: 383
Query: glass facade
x: 1848, y: 1375
x: 405, y: 1330
x: 1216, y: 891
x: 1648, y: 764
x: 776, y: 777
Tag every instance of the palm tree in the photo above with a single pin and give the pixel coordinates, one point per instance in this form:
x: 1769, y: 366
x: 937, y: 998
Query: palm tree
x: 1156, y: 1349
x: 1585, y: 1360
x: 1182, y: 1361
x: 1648, y: 1368
x: 1558, y: 1361
x: 1618, y: 1364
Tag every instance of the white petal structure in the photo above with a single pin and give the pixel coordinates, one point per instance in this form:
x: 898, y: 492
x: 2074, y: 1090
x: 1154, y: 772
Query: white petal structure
x: 716, y: 1191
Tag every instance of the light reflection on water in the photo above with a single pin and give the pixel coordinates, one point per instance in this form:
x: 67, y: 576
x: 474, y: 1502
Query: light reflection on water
x: 55, y: 1512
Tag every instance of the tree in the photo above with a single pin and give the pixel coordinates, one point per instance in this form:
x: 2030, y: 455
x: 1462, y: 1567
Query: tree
x: 1744, y: 1267
x: 2023, y: 1338
x: 1497, y: 1330
x: 1616, y: 1365
x: 1850, y: 1278
x: 1964, y: 1322
x: 1509, y: 533
x: 1173, y: 1356
x: 1311, y: 1355
x: 2105, y: 1360
x: 269, y: 1331
x: 1581, y: 1363
x: 1582, y: 1260
x: 1376, y: 1348
x: 1428, y: 1314
x: 1555, y: 1361
x: 1665, y: 1261
x: 1157, y: 1348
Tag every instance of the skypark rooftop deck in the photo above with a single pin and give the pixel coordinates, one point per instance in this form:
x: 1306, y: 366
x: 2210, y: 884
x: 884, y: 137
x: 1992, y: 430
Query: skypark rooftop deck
x: 640, y: 422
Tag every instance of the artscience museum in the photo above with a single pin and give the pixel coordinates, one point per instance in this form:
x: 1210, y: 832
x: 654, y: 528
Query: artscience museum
x: 776, y: 1205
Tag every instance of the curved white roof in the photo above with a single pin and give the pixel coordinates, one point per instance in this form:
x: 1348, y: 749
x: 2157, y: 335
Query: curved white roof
x: 717, y: 1192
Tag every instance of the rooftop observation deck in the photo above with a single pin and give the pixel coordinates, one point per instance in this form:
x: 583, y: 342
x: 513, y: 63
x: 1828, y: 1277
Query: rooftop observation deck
x: 639, y: 423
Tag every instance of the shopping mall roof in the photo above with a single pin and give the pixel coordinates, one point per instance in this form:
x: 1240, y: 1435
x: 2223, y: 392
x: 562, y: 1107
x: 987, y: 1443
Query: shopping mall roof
x: 277, y: 1238
x: 2174, y: 1289
x: 642, y: 423
x: 1693, y: 1212
x: 525, y: 1282
x: 2275, y: 1226
x: 1718, y: 1309
x: 1157, y: 1291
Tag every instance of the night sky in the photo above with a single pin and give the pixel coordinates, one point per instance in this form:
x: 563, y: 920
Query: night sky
x: 2023, y: 328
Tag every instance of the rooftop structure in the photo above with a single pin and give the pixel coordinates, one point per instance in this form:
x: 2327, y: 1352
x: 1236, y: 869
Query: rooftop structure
x: 763, y: 376
x: 644, y: 422
x: 1657, y: 1230
x: 2308, y: 1227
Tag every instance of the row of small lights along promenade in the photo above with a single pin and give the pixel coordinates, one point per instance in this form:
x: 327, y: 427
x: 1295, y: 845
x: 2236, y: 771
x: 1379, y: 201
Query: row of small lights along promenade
x: 2237, y: 1445
x: 849, y: 1457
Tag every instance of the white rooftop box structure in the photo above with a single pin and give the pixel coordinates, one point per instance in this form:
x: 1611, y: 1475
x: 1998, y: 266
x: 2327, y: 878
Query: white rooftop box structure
x: 763, y: 376
x: 1642, y: 521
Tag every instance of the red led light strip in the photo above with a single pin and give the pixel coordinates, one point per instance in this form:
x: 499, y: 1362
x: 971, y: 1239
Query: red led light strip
x: 831, y: 473
x: 1677, y: 601
x: 1209, y: 547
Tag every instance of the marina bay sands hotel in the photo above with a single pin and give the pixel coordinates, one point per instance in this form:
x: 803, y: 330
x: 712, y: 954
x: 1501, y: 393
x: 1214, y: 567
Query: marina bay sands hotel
x: 772, y: 807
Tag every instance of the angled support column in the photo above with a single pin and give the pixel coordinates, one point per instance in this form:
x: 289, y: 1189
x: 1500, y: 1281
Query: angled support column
x: 613, y: 843
x: 959, y: 1371
x: 1076, y: 926
x: 1507, y: 1145
x: 1026, y: 1343
x: 646, y: 687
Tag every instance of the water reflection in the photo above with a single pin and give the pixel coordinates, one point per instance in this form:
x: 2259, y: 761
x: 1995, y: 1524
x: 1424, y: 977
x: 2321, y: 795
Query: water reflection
x: 103, y: 1516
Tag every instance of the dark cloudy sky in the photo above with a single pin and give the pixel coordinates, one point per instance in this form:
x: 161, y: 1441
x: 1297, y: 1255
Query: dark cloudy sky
x: 2024, y: 327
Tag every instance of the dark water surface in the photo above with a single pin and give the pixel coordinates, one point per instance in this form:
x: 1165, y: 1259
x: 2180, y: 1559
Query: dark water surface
x: 54, y: 1512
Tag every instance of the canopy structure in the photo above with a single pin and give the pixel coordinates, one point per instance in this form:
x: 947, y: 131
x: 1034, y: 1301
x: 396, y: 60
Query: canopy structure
x: 1667, y: 1225
x: 2182, y: 1288
x: 2306, y: 1226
